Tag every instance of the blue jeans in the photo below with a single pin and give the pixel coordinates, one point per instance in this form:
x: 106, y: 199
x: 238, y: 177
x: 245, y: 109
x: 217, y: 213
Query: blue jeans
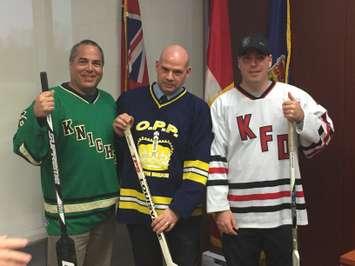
x: 183, y: 241
x: 244, y: 249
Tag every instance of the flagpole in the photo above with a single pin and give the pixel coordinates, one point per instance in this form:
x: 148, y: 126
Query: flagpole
x: 124, y: 42
x: 288, y: 39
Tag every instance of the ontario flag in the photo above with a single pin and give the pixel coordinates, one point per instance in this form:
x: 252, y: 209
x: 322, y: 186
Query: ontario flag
x: 219, y: 73
x: 280, y: 39
x: 134, y: 72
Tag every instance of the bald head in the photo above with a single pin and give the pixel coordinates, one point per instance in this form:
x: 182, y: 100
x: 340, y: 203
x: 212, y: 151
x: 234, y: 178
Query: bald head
x: 173, y: 67
x: 175, y: 52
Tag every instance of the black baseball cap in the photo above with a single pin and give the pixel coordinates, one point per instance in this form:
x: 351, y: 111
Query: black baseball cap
x: 256, y: 41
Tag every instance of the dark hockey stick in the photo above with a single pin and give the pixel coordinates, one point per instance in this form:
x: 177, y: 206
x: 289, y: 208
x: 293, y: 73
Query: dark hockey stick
x: 292, y: 157
x: 65, y: 245
x: 148, y: 197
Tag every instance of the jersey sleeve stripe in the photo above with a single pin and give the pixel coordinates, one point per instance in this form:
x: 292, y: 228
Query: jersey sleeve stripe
x: 325, y: 132
x: 27, y: 156
x: 218, y: 170
x: 196, y: 164
x: 223, y: 182
x: 195, y: 178
x: 218, y: 158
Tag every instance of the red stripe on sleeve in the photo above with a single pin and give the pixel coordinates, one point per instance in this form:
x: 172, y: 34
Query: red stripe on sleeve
x: 218, y: 170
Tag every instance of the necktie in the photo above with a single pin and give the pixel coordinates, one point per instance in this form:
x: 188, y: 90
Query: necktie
x: 163, y: 99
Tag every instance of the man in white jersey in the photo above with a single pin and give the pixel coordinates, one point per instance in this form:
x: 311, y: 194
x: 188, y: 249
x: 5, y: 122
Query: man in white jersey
x: 248, y: 190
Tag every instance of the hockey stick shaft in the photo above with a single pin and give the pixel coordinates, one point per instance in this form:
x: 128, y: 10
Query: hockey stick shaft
x: 44, y: 83
x: 292, y: 157
x: 66, y: 254
x: 145, y: 189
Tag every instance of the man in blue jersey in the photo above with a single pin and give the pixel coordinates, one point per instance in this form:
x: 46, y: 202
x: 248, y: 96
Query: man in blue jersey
x: 172, y: 132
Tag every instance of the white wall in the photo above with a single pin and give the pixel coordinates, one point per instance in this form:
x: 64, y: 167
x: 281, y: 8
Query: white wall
x: 175, y: 21
x: 37, y: 35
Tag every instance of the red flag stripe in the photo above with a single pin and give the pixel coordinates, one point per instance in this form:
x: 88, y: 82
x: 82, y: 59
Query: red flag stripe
x: 134, y: 71
x: 219, y: 73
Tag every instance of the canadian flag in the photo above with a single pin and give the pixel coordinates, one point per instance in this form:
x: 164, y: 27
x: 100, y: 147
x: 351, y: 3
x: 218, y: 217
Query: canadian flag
x: 219, y: 73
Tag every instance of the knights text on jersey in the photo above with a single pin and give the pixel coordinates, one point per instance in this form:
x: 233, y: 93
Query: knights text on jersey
x: 249, y: 168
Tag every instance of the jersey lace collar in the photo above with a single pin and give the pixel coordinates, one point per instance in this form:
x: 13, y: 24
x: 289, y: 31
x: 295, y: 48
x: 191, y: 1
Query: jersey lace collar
x: 251, y: 96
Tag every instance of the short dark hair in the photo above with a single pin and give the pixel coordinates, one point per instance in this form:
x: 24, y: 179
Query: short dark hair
x: 74, y: 49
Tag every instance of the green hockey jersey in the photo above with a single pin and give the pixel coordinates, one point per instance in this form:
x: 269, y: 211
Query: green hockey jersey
x: 85, y: 152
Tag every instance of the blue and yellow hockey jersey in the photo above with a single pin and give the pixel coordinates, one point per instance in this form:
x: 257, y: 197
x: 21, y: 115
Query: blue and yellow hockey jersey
x: 173, y: 141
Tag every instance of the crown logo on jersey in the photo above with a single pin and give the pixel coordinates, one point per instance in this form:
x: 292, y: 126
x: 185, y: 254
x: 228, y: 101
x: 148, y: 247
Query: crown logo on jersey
x: 155, y: 153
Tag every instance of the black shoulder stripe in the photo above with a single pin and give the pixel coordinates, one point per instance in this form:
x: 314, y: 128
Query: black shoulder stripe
x: 217, y: 183
x: 217, y: 158
x: 312, y: 146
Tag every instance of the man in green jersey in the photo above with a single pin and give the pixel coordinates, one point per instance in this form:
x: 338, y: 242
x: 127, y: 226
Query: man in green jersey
x: 82, y: 118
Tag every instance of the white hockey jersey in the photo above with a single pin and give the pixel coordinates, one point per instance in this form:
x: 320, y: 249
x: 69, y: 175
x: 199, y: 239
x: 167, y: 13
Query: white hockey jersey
x: 249, y: 168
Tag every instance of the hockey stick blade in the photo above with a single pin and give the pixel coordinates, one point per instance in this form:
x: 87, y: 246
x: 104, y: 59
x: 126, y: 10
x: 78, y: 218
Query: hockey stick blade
x: 295, y: 258
x: 66, y: 251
